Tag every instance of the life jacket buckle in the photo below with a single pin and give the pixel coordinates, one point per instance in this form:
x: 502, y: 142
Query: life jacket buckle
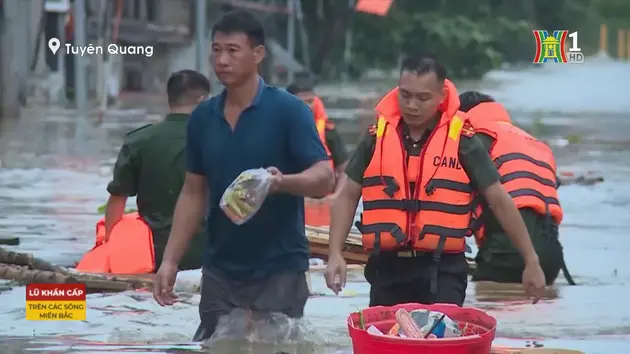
x: 391, y: 188
x: 411, y: 205
x: 430, y: 188
x: 398, y: 234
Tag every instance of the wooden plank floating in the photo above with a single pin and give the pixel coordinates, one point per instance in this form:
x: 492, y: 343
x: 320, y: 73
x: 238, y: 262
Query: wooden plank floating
x: 9, y: 241
x: 353, y: 251
x: 24, y: 268
x: 27, y: 260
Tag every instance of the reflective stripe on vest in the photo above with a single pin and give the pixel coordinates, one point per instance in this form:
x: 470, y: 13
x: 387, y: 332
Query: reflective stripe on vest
x: 437, y: 217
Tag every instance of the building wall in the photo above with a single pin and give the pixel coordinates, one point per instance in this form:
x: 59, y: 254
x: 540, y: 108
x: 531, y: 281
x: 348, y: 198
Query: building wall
x: 175, y: 12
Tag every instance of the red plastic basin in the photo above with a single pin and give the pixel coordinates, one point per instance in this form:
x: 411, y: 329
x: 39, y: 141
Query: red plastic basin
x: 478, y: 330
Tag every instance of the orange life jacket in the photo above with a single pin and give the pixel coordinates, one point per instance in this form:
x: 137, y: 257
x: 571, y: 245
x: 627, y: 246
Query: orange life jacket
x: 437, y: 216
x: 526, y: 165
x: 321, y: 121
x: 488, y: 112
x: 129, y: 249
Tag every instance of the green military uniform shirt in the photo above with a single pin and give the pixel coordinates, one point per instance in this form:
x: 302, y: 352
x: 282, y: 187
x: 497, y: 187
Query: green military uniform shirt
x: 335, y: 145
x: 151, y: 165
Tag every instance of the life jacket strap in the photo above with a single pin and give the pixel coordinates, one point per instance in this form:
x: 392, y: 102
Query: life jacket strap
x: 376, y: 229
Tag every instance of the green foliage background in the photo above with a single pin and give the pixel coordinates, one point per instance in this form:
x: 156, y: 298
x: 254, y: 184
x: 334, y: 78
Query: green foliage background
x: 470, y: 37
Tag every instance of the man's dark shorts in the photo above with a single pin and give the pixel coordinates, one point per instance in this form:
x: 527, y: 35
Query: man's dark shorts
x: 395, y: 280
x: 283, y: 292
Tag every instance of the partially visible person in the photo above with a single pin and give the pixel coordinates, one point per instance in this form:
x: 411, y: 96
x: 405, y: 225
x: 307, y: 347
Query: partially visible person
x: 417, y: 171
x: 151, y: 165
x: 317, y: 211
x: 528, y: 173
x: 260, y: 265
x: 304, y: 88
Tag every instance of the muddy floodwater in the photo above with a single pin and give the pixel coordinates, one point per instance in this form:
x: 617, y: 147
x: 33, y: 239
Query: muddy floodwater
x: 52, y: 183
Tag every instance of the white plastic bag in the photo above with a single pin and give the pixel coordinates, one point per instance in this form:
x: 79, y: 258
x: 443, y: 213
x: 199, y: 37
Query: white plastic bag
x: 245, y: 195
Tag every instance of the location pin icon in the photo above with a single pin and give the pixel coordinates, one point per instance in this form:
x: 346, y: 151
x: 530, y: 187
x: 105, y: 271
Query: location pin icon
x: 54, y: 44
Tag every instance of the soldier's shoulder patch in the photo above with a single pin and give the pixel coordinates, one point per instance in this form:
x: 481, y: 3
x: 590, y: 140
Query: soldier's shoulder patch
x: 330, y: 125
x: 372, y: 130
x: 139, y: 129
x: 468, y: 130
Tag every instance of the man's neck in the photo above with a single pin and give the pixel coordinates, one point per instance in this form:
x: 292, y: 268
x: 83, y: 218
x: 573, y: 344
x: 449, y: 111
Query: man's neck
x: 416, y: 132
x: 243, y: 95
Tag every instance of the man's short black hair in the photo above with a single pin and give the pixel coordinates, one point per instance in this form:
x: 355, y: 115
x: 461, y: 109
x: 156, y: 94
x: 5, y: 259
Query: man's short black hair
x: 469, y: 100
x: 423, y: 64
x: 185, y: 86
x: 241, y: 22
x: 300, y: 85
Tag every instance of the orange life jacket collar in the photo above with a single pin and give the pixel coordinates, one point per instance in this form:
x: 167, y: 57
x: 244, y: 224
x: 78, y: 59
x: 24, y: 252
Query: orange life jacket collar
x: 389, y: 105
x: 489, y: 111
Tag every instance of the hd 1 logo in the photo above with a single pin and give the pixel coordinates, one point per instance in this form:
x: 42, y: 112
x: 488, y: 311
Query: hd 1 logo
x: 554, y: 47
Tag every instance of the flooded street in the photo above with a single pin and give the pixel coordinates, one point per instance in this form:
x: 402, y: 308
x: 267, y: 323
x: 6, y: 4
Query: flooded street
x: 51, y: 186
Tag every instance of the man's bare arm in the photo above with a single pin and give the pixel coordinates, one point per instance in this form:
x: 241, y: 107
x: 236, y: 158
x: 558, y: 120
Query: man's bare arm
x: 510, y: 219
x: 186, y: 218
x: 342, y: 215
x: 114, y: 212
x: 316, y: 181
x: 340, y: 175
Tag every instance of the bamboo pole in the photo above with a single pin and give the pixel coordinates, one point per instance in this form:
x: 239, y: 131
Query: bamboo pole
x: 603, y: 38
x: 25, y: 275
x: 27, y: 260
x: 620, y: 44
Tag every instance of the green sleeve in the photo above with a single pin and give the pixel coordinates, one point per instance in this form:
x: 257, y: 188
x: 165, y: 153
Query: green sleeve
x: 337, y: 148
x: 125, y: 179
x: 361, y: 158
x: 476, y: 161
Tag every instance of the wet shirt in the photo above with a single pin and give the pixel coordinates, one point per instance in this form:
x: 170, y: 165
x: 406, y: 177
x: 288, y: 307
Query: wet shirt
x: 475, y: 161
x: 151, y: 165
x: 277, y: 130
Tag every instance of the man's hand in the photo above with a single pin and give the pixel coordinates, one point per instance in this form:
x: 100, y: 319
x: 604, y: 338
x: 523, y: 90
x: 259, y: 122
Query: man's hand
x: 335, y: 273
x: 277, y: 177
x: 534, y: 280
x: 163, y: 284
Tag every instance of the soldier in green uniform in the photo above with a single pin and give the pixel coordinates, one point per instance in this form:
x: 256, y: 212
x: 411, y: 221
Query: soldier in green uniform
x: 400, y: 277
x: 151, y: 165
x: 497, y: 260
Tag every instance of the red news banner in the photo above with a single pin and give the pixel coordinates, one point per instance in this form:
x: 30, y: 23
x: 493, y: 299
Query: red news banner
x: 56, y: 302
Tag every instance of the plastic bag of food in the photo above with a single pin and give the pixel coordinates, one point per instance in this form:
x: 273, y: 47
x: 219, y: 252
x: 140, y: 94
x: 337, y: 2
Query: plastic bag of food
x: 245, y: 195
x: 425, y: 321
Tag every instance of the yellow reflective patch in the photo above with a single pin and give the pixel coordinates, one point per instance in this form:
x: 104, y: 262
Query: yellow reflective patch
x: 455, y: 128
x: 380, y: 127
